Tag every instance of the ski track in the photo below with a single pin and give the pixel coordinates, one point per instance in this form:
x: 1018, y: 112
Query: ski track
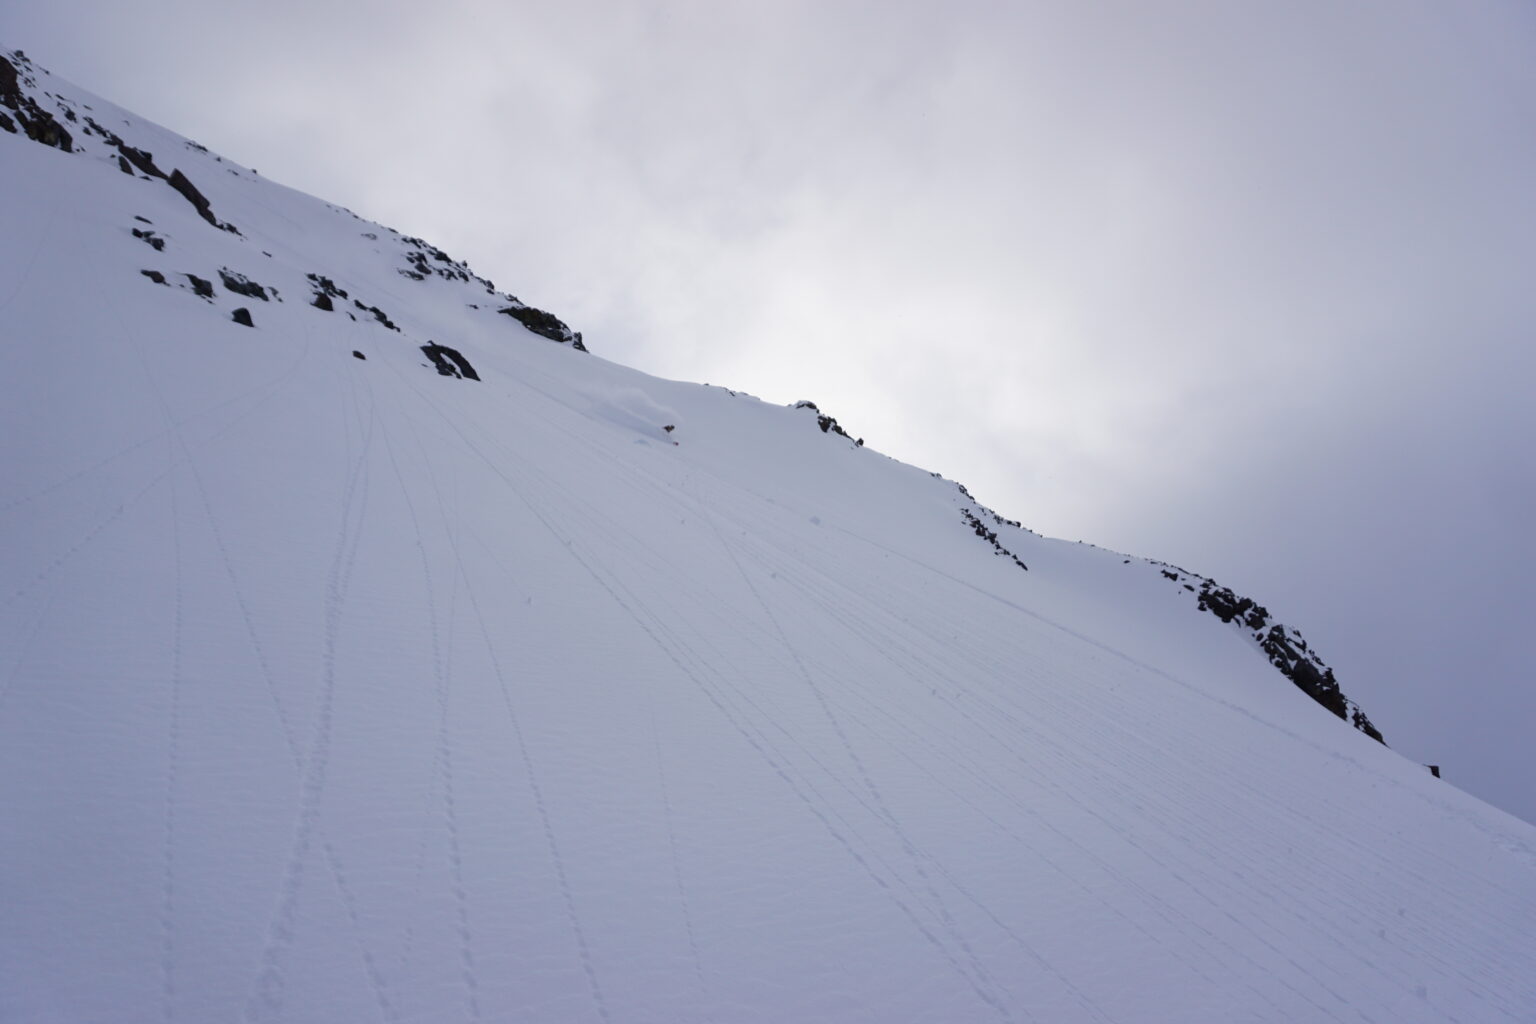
x: 594, y: 987
x: 588, y: 965
x: 983, y: 980
x: 175, y: 436
x: 1044, y: 740
x: 266, y: 998
x: 982, y: 710
x: 442, y: 681
x: 584, y: 954
x: 825, y: 771
x: 1032, y: 740
x: 56, y: 199
x: 84, y: 540
x: 1105, y: 714
x: 1212, y: 943
x: 657, y: 630
x: 87, y: 471
x: 13, y: 674
x: 831, y: 608
x: 172, y: 772
x: 683, y: 902
x: 909, y: 847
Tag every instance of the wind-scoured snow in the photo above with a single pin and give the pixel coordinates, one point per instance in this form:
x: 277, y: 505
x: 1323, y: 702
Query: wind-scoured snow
x: 336, y: 689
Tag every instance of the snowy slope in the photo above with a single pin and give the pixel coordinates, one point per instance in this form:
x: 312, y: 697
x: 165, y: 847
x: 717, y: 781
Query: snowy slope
x: 340, y: 689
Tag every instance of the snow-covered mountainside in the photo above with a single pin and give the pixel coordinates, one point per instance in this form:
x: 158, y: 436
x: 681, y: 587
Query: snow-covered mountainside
x: 371, y: 651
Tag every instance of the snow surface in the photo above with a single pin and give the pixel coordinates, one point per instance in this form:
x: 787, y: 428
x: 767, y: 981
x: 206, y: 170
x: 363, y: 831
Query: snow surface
x: 338, y: 690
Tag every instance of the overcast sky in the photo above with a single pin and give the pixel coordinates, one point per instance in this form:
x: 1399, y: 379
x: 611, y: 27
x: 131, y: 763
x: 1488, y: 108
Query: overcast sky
x: 1248, y: 287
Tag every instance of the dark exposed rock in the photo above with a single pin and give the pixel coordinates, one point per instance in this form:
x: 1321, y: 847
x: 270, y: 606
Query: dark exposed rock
x: 242, y: 285
x: 1226, y: 606
x: 154, y: 275
x: 325, y: 286
x: 51, y: 133
x: 449, y: 362
x: 427, y: 261
x: 1359, y: 721
x: 1285, y: 647
x: 7, y: 123
x: 38, y: 124
x: 94, y: 127
x: 200, y: 286
x: 154, y: 240
x: 358, y: 355
x: 424, y: 260
x: 242, y: 316
x: 990, y: 536
x: 546, y: 325
x: 182, y: 184
x: 1434, y: 770
x: 139, y: 158
x: 378, y: 314
x: 830, y: 425
x: 129, y: 157
x: 1317, y: 684
x: 325, y: 289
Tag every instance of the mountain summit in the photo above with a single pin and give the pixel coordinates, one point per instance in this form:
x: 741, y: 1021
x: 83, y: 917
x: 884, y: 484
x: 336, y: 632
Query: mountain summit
x: 372, y: 651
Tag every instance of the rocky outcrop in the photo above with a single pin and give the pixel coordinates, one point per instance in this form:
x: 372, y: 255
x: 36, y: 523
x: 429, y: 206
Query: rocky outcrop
x: 30, y: 119
x: 424, y: 260
x: 127, y: 154
x: 325, y: 290
x: 1284, y: 646
x: 545, y: 325
x: 242, y: 285
x: 378, y: 314
x: 41, y: 126
x: 829, y: 424
x: 449, y: 362
x: 182, y: 184
x: 150, y: 238
x: 990, y: 536
x: 58, y: 121
x: 977, y: 515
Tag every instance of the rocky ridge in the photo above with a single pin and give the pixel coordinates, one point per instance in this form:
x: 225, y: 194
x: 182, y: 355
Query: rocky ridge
x: 42, y: 115
x: 49, y: 117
